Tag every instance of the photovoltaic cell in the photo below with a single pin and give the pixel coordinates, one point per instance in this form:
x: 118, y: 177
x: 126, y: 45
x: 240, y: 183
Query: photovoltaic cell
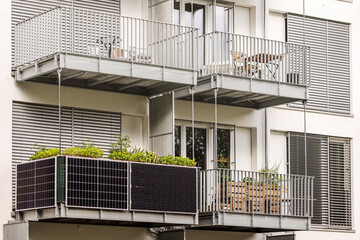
x: 97, y: 183
x: 35, y: 184
x: 163, y: 188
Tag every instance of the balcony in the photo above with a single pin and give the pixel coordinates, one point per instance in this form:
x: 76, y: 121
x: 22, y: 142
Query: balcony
x: 101, y: 191
x: 250, y: 72
x: 254, y: 201
x: 105, y: 51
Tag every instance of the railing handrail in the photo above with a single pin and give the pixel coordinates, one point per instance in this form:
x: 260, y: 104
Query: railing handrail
x: 237, y: 170
x: 111, y: 14
x: 258, y: 38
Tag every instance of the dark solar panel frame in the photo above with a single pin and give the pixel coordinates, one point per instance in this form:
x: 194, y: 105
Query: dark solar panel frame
x: 36, y: 184
x: 96, y: 183
x: 163, y: 188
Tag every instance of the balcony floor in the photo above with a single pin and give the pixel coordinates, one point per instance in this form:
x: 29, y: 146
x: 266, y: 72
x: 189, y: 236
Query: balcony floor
x: 106, y: 74
x: 244, y: 92
x: 66, y: 214
x: 257, y: 223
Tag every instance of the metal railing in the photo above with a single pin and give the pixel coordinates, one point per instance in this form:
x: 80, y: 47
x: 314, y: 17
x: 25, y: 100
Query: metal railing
x: 104, y: 35
x: 240, y: 191
x: 251, y: 57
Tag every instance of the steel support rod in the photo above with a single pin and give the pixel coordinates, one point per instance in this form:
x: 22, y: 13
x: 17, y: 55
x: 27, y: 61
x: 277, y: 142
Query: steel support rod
x: 305, y: 140
x: 60, y: 110
x: 193, y: 121
x: 215, y: 129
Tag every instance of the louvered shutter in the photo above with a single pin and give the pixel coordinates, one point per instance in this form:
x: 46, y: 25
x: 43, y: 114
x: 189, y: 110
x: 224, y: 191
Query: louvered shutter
x: 330, y: 61
x: 316, y: 167
x: 38, y: 124
x: 100, y: 127
x: 25, y: 9
x: 328, y: 160
x: 340, y: 182
x: 339, y: 67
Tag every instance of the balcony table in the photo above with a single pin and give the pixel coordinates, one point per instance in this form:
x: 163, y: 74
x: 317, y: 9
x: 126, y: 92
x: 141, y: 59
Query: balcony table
x: 269, y: 60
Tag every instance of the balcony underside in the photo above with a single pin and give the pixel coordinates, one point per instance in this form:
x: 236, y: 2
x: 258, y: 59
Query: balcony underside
x: 227, y: 221
x: 244, y: 92
x: 106, y: 74
x: 106, y: 217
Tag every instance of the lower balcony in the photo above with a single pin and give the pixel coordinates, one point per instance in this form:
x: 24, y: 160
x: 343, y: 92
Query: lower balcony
x: 99, y: 191
x: 238, y: 200
x: 105, y: 51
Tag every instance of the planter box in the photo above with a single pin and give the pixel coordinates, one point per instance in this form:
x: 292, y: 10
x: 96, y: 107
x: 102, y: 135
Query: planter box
x: 243, y: 197
x: 87, y: 183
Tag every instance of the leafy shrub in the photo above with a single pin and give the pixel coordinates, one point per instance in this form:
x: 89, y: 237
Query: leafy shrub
x: 43, y: 152
x: 86, y: 149
x: 122, y: 144
x: 120, y: 151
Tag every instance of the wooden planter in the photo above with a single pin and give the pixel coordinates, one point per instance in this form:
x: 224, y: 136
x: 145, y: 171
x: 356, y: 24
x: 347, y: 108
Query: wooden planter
x: 241, y: 197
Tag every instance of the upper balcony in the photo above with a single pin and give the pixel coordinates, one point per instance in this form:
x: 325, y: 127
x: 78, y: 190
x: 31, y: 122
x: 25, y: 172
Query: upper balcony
x: 250, y: 72
x: 105, y: 51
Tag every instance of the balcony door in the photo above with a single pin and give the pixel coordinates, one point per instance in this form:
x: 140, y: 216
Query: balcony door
x: 203, y: 150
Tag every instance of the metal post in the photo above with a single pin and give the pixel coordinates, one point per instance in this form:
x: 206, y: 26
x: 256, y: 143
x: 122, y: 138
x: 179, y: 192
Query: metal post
x: 193, y: 121
x: 305, y: 147
x: 60, y: 112
x: 266, y: 137
x: 214, y: 16
x: 215, y: 130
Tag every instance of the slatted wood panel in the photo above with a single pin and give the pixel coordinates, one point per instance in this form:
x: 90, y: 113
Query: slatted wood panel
x: 330, y: 61
x: 38, y: 124
x: 329, y: 161
x: 25, y: 9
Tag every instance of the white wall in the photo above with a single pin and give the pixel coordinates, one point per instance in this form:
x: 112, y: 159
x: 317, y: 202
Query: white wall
x: 242, y: 20
x: 135, y: 116
x: 276, y: 26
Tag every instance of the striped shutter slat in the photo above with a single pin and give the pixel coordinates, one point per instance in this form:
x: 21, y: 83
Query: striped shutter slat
x: 329, y: 161
x: 330, y: 68
x: 339, y: 67
x: 38, y: 124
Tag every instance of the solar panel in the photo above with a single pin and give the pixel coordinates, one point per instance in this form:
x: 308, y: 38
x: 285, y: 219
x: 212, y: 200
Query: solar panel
x: 96, y: 183
x: 163, y: 188
x: 35, y: 184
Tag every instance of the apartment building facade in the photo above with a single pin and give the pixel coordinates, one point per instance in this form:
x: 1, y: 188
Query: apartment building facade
x: 241, y: 86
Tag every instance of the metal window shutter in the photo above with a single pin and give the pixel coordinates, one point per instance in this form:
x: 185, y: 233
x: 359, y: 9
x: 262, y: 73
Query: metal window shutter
x: 329, y: 161
x: 100, y: 127
x: 340, y: 182
x: 25, y: 9
x: 38, y: 124
x: 330, y: 67
x: 339, y: 67
x: 317, y: 148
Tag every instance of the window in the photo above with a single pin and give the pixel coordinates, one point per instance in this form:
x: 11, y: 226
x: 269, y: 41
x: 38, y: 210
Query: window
x: 330, y: 61
x: 203, y: 144
x: 195, y: 16
x: 38, y: 124
x: 329, y: 161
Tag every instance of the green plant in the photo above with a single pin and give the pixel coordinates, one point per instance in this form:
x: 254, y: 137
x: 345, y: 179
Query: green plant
x: 121, y: 150
x: 122, y: 144
x: 270, y: 176
x: 43, y: 152
x: 86, y: 149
